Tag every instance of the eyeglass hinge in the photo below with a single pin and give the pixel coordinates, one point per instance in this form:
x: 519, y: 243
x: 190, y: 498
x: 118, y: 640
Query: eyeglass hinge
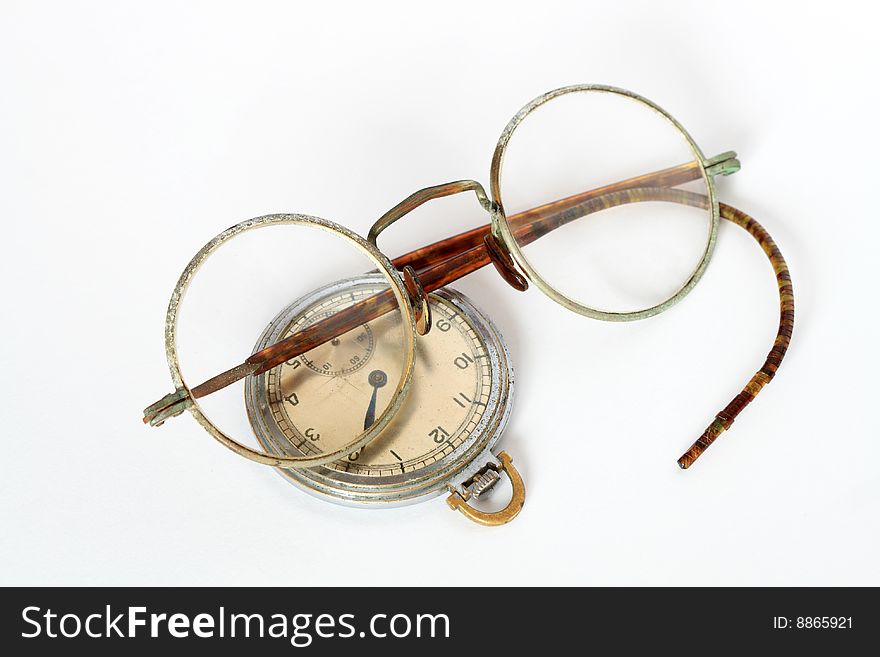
x: 723, y: 164
x: 171, y: 405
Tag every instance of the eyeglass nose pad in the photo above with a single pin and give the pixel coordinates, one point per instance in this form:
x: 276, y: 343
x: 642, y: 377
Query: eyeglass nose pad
x: 504, y: 263
x: 419, y: 300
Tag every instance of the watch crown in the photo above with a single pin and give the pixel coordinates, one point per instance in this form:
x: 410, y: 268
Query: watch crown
x: 484, y: 481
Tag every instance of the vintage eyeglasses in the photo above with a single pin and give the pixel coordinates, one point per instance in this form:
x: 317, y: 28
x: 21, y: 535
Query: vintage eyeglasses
x: 632, y: 245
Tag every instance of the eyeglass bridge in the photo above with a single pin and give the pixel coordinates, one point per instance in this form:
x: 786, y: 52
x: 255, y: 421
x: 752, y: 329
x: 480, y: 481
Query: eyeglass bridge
x: 496, y: 250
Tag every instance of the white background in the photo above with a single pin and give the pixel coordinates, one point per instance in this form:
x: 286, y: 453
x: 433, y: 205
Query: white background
x: 131, y: 133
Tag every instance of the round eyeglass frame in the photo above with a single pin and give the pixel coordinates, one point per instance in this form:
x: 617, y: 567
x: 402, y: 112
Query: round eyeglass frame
x: 501, y: 228
x: 409, y: 331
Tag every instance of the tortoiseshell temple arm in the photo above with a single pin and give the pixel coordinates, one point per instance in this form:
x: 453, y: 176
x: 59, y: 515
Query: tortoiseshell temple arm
x: 529, y: 225
x: 763, y: 376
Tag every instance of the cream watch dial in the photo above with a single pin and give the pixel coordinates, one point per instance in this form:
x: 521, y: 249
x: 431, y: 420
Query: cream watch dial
x: 457, y: 405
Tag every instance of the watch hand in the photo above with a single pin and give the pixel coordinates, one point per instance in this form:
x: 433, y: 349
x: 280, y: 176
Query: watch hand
x: 377, y: 379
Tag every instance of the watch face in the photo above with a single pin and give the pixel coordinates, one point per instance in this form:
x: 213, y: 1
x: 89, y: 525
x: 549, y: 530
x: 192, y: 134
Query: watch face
x: 319, y: 401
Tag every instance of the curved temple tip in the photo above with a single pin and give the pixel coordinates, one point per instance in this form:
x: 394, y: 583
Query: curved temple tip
x: 718, y: 426
x: 171, y: 405
x: 687, y: 459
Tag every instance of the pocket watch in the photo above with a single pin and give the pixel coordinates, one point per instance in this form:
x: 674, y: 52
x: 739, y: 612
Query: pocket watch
x: 443, y: 439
